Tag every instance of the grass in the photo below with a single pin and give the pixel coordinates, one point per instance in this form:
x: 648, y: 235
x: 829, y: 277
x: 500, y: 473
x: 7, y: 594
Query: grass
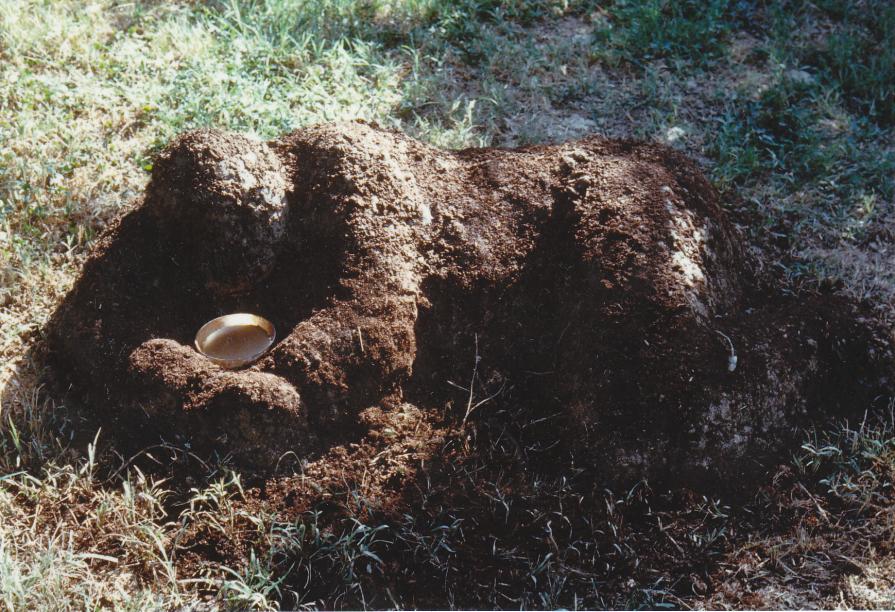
x: 787, y: 104
x: 694, y: 32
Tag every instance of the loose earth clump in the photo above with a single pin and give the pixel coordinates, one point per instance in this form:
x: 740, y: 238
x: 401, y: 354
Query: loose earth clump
x: 596, y: 285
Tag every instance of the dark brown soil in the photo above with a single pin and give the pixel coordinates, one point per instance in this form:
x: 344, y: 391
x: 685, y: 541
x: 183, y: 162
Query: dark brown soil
x: 595, y: 285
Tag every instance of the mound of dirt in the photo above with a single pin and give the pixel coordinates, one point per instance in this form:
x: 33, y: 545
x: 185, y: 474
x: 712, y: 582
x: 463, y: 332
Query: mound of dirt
x: 597, y: 282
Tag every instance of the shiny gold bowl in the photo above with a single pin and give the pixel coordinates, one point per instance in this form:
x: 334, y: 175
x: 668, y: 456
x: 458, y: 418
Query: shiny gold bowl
x: 235, y: 340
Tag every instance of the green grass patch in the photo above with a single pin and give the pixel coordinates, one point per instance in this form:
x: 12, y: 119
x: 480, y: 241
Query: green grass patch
x: 689, y: 30
x: 858, y: 57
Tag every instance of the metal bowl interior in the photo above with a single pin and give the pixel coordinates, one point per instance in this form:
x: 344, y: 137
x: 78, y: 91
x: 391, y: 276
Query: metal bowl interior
x: 235, y: 340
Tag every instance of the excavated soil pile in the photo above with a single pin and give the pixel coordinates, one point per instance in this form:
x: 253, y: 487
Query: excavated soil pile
x: 598, y: 282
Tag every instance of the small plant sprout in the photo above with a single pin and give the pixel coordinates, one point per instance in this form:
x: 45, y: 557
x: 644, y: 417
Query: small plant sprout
x: 732, y: 360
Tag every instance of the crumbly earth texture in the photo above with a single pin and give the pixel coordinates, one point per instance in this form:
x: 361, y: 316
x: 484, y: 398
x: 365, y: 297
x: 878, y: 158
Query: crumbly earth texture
x: 595, y: 282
